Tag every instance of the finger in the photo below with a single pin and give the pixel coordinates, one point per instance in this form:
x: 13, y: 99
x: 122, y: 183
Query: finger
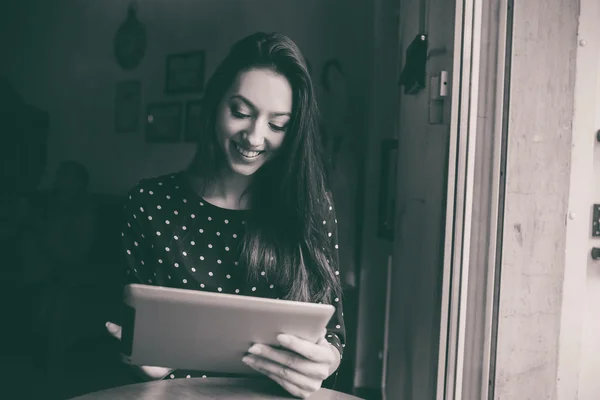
x: 316, y: 352
x: 290, y: 387
x: 114, y: 329
x: 291, y: 360
x: 287, y: 374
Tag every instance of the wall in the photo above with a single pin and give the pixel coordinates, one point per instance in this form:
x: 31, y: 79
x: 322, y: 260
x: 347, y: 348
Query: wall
x: 59, y: 57
x: 537, y: 187
x: 418, y: 257
x: 374, y: 253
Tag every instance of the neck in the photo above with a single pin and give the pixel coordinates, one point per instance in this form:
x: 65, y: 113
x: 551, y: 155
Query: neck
x: 228, y: 190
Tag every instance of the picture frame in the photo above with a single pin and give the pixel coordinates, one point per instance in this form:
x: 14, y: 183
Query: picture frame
x: 163, y: 122
x: 185, y: 72
x: 127, y: 106
x: 192, y: 127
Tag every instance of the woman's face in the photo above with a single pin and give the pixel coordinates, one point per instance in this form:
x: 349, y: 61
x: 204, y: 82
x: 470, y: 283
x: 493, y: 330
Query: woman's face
x: 252, y: 119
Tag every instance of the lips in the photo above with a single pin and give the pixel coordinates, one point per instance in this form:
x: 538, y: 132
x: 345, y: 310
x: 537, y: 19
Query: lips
x: 247, y: 153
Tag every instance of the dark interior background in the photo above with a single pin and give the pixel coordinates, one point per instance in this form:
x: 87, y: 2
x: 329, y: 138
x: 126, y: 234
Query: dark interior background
x: 58, y: 78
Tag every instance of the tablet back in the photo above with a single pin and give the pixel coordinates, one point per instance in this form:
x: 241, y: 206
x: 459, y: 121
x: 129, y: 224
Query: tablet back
x: 210, y: 332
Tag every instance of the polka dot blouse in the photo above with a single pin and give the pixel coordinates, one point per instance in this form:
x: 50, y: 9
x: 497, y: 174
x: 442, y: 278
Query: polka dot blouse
x: 174, y: 238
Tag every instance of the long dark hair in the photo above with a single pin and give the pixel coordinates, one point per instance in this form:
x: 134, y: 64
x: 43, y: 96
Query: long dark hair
x: 285, y: 234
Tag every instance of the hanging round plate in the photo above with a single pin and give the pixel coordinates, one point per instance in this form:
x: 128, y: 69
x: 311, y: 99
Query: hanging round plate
x: 130, y: 41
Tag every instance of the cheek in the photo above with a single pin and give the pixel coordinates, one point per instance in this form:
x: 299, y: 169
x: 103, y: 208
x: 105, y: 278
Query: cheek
x: 229, y: 126
x: 276, y: 142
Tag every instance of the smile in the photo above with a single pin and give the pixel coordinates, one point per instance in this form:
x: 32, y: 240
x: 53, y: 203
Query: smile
x: 247, y: 153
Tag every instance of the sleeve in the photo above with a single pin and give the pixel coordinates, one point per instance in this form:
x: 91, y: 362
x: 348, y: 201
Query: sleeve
x: 336, y: 330
x: 137, y: 240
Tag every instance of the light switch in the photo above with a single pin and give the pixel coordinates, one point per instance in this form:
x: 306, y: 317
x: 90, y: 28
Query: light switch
x: 444, y: 84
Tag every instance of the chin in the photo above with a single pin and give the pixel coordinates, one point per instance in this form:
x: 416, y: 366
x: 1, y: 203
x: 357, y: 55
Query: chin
x: 244, y: 170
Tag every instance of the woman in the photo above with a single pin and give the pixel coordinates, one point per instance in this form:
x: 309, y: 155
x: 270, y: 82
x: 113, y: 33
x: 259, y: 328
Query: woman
x: 251, y: 215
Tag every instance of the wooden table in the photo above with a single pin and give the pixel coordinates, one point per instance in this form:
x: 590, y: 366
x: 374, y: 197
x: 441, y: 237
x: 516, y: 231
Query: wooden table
x: 206, y: 388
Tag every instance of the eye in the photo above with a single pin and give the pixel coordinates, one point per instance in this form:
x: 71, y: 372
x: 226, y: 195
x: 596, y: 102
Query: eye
x: 278, y: 128
x: 238, y: 114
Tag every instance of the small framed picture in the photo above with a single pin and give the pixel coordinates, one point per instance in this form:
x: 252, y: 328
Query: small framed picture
x: 192, y: 121
x: 163, y: 122
x: 185, y: 72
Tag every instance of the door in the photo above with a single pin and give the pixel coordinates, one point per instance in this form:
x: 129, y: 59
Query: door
x: 579, y: 344
x: 434, y: 179
x: 589, y: 384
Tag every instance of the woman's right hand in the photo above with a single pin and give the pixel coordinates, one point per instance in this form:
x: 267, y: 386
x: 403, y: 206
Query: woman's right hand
x: 152, y: 373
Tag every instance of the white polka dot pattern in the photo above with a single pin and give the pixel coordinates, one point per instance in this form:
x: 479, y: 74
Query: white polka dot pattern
x: 189, y: 243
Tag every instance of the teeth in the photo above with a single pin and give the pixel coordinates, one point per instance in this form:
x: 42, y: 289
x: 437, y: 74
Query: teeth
x: 246, y: 153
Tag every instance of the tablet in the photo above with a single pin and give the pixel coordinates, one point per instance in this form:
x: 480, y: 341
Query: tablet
x: 209, y: 332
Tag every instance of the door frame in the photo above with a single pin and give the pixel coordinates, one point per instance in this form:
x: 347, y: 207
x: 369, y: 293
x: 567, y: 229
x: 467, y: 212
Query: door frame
x: 474, y: 198
x: 475, y: 195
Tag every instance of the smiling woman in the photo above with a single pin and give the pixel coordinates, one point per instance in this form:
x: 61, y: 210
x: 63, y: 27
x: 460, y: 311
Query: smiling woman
x: 252, y: 214
x: 249, y: 128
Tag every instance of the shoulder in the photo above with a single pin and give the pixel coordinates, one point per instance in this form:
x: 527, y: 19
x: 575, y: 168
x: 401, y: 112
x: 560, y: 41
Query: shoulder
x: 148, y: 191
x: 149, y: 186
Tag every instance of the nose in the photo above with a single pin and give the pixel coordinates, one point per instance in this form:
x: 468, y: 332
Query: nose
x: 254, y: 135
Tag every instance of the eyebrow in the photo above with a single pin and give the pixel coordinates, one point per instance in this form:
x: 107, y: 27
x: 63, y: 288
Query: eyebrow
x: 251, y: 105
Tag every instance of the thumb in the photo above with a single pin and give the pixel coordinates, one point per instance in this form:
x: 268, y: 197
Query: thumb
x: 114, y: 330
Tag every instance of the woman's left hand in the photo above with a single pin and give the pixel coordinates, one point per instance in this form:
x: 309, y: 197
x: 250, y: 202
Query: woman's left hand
x: 300, y: 367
